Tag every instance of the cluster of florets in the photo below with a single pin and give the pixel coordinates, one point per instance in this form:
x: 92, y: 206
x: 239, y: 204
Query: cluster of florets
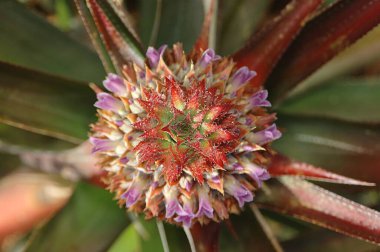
x: 183, y: 139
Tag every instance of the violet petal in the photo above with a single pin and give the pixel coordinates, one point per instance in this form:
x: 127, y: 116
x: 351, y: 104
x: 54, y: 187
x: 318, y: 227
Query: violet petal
x: 115, y: 84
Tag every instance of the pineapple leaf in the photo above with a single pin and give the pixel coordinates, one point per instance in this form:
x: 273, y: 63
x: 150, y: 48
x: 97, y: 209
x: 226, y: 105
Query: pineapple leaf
x: 321, y: 39
x: 115, y: 42
x: 206, y: 38
x: 347, y: 149
x: 332, y: 242
x: 179, y: 21
x: 15, y: 140
x: 361, y: 54
x: 245, y: 14
x: 29, y: 41
x: 308, y: 202
x: 45, y: 104
x: 283, y: 166
x: 206, y: 237
x: 352, y: 100
x: 266, y: 46
x: 244, y: 233
x: 128, y: 241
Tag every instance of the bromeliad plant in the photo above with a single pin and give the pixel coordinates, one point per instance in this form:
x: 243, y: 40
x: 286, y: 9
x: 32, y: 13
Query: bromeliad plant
x: 186, y: 138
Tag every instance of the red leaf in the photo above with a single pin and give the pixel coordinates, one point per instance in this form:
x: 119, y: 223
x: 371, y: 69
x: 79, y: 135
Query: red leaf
x: 207, y: 27
x: 119, y: 42
x: 206, y: 237
x: 282, y: 165
x: 308, y: 202
x: 266, y: 47
x: 323, y: 38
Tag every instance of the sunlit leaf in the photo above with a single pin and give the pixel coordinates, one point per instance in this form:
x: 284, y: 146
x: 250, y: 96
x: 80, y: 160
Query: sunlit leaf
x: 354, y: 100
x: 64, y: 14
x: 180, y: 21
x: 152, y: 242
x: 308, y: 202
x: 265, y: 47
x: 321, y: 39
x: 45, y: 104
x: 29, y: 41
x: 128, y: 241
x: 91, y: 221
x: 347, y: 149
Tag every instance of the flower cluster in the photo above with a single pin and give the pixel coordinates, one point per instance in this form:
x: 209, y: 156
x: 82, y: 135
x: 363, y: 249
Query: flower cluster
x: 184, y: 139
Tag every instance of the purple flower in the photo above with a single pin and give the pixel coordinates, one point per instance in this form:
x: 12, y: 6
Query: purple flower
x: 257, y: 173
x: 131, y: 196
x: 207, y: 57
x: 173, y: 207
x: 108, y: 102
x: 265, y: 136
x: 135, y: 190
x: 101, y: 144
x: 171, y: 201
x: 154, y: 55
x: 186, y: 219
x: 187, y: 215
x: 241, y: 77
x: 115, y: 84
x: 205, y: 207
x: 124, y: 160
x: 237, y: 167
x: 237, y: 190
x: 259, y: 99
x: 186, y: 183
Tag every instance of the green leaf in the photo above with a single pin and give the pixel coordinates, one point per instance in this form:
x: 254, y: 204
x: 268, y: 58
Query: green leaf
x: 245, y: 14
x: 12, y: 137
x: 29, y: 41
x: 63, y: 14
x: 354, y: 100
x: 347, y: 149
x: 153, y: 241
x: 91, y: 221
x: 128, y: 241
x: 45, y: 104
x: 180, y: 21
